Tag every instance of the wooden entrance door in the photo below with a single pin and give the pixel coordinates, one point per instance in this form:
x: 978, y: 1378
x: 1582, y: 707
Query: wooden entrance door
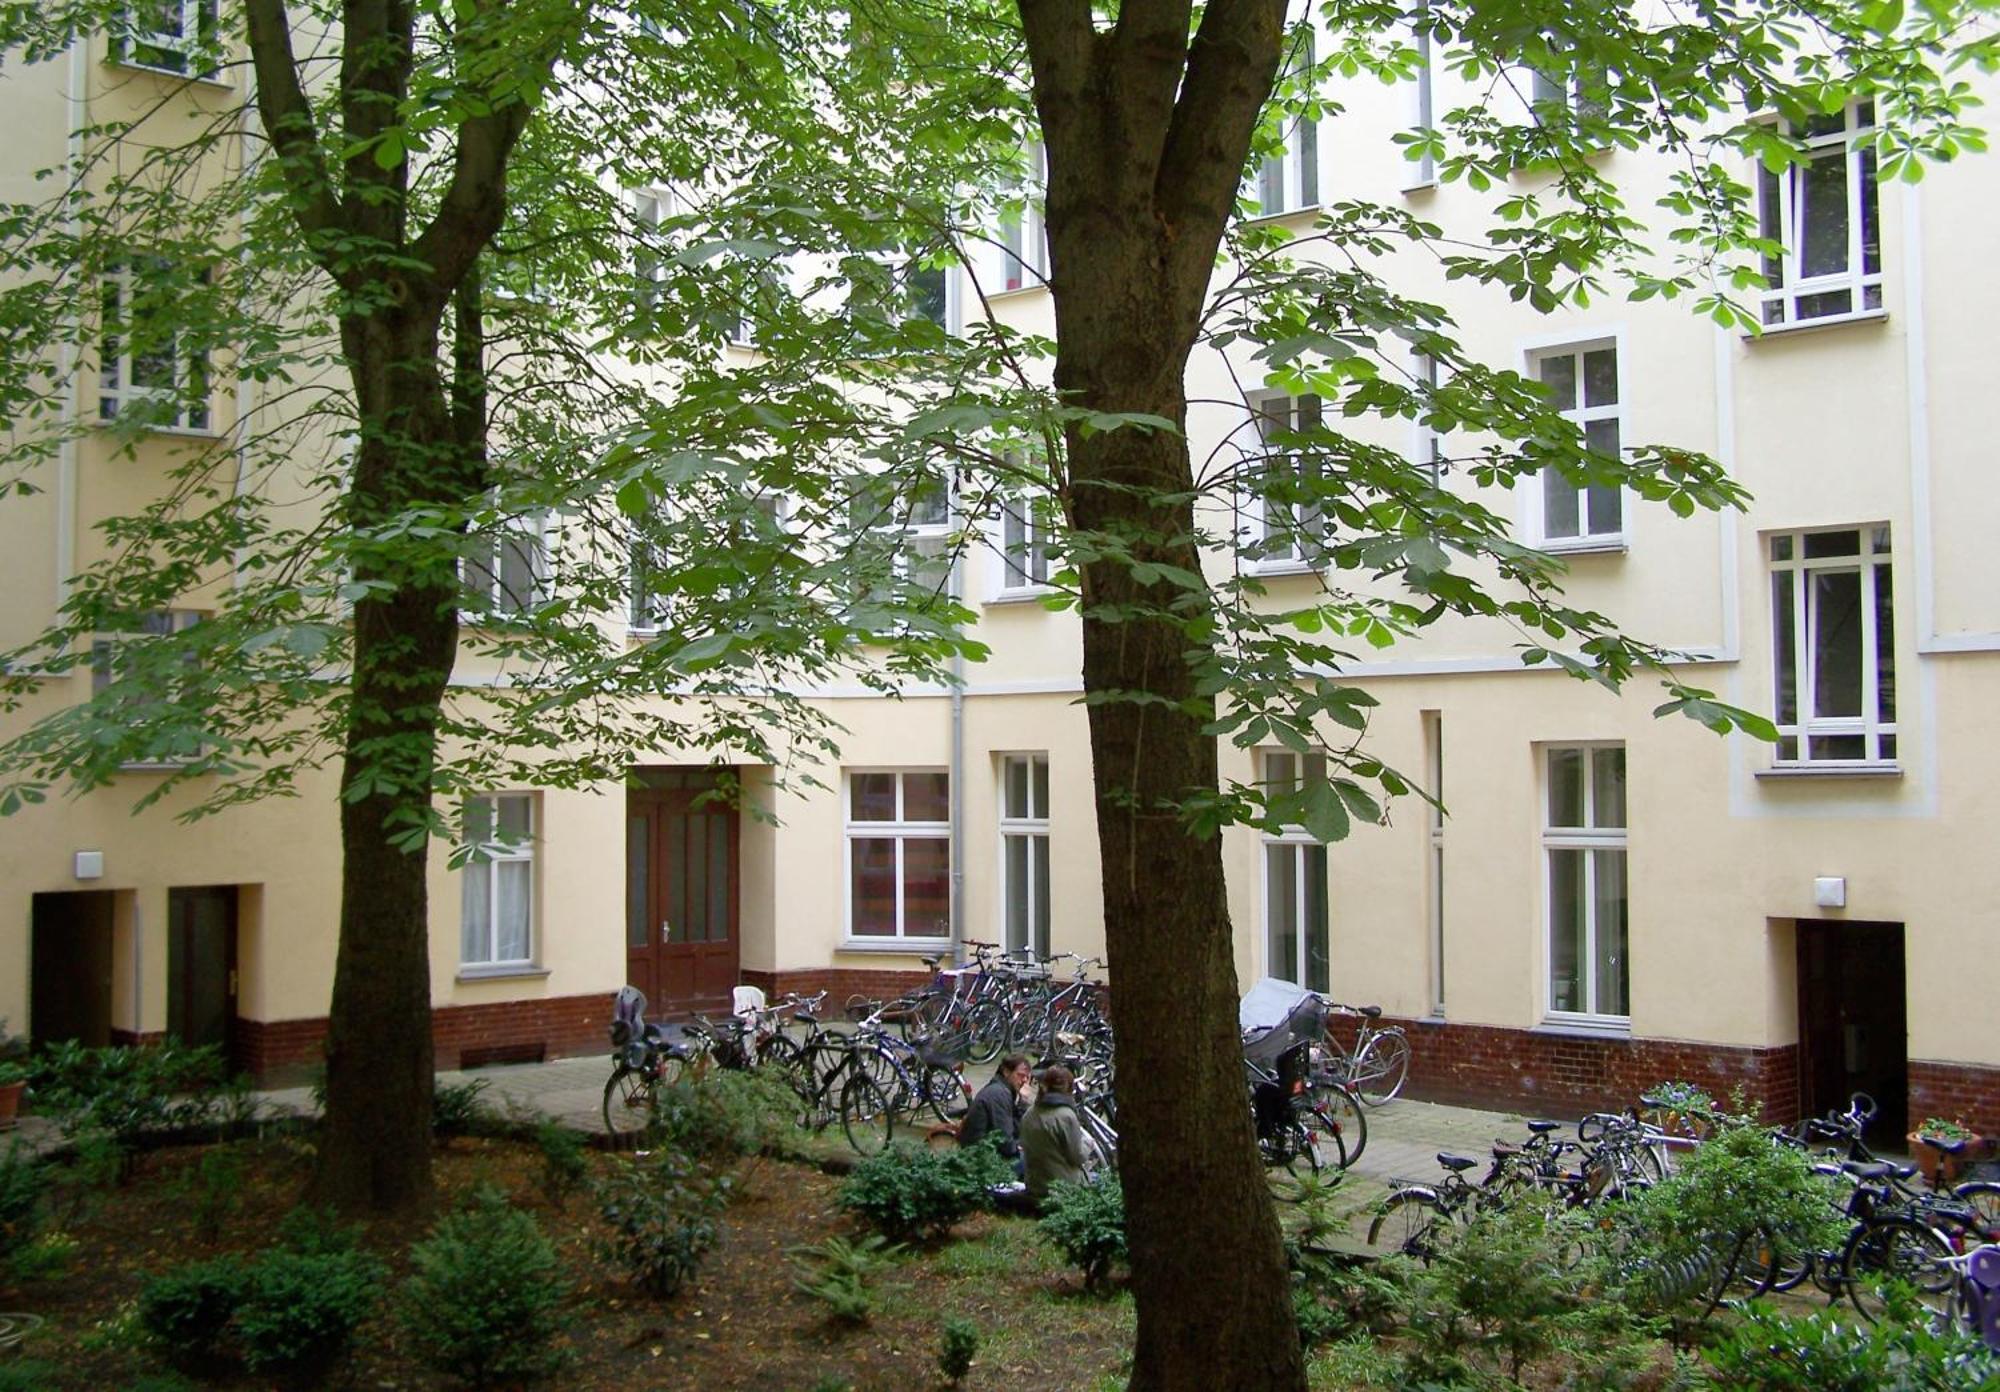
x: 1853, y: 1033
x: 680, y: 897
x: 69, y: 972
x: 201, y: 966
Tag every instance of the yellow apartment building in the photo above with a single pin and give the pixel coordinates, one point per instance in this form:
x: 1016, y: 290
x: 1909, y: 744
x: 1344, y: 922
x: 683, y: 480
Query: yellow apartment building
x: 1608, y: 900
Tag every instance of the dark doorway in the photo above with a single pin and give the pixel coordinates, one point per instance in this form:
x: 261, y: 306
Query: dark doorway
x: 1853, y: 1032
x: 201, y: 966
x: 680, y: 892
x: 69, y: 969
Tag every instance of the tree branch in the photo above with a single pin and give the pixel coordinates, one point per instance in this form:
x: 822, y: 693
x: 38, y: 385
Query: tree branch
x: 287, y: 115
x: 1060, y: 43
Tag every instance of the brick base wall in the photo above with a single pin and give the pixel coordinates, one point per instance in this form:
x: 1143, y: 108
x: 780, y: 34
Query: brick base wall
x: 838, y: 982
x: 1955, y: 1091
x: 1534, y: 1071
x: 564, y: 1025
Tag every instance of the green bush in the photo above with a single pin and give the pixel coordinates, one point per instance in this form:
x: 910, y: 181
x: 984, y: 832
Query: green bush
x: 837, y: 1273
x: 47, y: 1256
x: 29, y: 1375
x: 214, y: 1191
x: 187, y: 1312
x: 128, y: 1092
x: 727, y: 1112
x: 958, y: 1342
x: 908, y: 1192
x: 564, y: 1162
x: 1828, y: 1351
x: 456, y: 1109
x: 1087, y: 1222
x: 663, y: 1212
x: 483, y: 1296
x: 1317, y: 1324
x: 23, y: 1182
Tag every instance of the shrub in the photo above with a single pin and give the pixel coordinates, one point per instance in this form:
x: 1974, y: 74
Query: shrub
x: 726, y: 1112
x: 837, y: 1272
x: 23, y: 1182
x: 482, y: 1299
x: 907, y: 1192
x: 29, y: 1375
x: 957, y: 1344
x: 1317, y: 1324
x: 48, y: 1255
x: 1087, y: 1222
x: 187, y: 1312
x: 127, y: 1092
x: 456, y: 1109
x: 1828, y: 1352
x: 564, y: 1166
x: 663, y: 1213
x: 214, y: 1192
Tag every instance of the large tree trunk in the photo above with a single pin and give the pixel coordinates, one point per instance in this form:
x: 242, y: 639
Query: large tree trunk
x: 1147, y: 135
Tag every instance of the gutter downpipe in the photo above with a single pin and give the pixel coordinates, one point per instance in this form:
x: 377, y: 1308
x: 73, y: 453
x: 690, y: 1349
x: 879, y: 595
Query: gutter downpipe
x: 957, y: 934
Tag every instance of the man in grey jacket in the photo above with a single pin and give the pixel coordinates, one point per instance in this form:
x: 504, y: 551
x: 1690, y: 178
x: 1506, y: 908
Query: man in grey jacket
x: 1051, y: 1135
x: 995, y: 1117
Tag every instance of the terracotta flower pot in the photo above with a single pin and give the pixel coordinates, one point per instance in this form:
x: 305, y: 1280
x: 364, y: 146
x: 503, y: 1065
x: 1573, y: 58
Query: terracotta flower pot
x: 10, y: 1104
x: 1936, y: 1166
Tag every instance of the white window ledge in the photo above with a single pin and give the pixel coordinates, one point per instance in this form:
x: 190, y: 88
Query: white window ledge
x: 1281, y: 568
x: 1282, y: 214
x: 898, y: 947
x: 184, y: 432
x: 1856, y: 769
x: 500, y: 971
x: 1824, y: 321
x: 1585, y: 1026
x: 1035, y: 286
x: 199, y: 79
x: 1586, y: 546
x: 1023, y: 596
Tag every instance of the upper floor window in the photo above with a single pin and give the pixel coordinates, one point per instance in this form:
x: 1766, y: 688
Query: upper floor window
x: 1024, y: 852
x: 1823, y: 212
x: 899, y: 854
x: 908, y: 532
x: 1024, y: 242
x: 149, y: 372
x: 1834, y: 634
x: 176, y: 36
x: 496, y: 903
x: 114, y: 656
x: 1286, y: 525
x: 650, y: 208
x: 505, y: 568
x: 1584, y: 841
x: 1295, y: 913
x: 1024, y: 543
x: 1289, y: 181
x: 1582, y: 383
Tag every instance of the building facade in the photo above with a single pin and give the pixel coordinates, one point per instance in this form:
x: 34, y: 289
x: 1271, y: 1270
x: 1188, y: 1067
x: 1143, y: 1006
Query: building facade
x: 1605, y: 900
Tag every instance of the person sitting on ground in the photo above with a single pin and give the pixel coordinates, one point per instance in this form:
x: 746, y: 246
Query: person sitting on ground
x: 1051, y: 1135
x: 995, y: 1118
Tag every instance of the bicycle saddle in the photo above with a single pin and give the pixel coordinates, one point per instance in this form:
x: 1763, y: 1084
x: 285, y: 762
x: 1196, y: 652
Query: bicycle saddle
x: 1542, y: 1128
x: 805, y: 1017
x: 1868, y: 1169
x: 1458, y: 1164
x: 931, y: 962
x: 1373, y: 1012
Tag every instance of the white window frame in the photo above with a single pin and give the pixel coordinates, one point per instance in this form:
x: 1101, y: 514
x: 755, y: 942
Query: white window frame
x: 1031, y: 825
x: 1586, y: 840
x: 1297, y: 841
x: 1876, y: 725
x: 1421, y: 114
x: 496, y: 854
x: 162, y: 52
x: 1778, y: 215
x: 529, y: 537
x: 1024, y: 235
x: 1433, y: 732
x: 646, y: 613
x: 1582, y: 416
x: 1271, y: 412
x: 154, y: 623
x: 901, y: 831
x: 1288, y: 182
x: 1427, y: 449
x: 117, y: 388
x: 1022, y: 537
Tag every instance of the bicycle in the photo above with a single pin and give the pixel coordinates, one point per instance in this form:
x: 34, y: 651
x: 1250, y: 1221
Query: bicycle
x: 1378, y: 1064
x: 642, y: 1061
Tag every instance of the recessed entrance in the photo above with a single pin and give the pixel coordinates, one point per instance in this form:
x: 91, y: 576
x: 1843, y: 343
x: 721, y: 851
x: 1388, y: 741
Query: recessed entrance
x: 681, y: 891
x: 1853, y: 1029
x: 201, y: 966
x: 69, y: 971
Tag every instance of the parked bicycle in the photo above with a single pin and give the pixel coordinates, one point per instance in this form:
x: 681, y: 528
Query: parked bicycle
x: 1376, y: 1065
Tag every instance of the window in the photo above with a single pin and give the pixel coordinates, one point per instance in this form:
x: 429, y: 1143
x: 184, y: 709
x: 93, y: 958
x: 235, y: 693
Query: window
x: 1024, y: 241
x: 652, y: 591
x: 899, y: 856
x: 914, y: 528
x: 1286, y: 527
x: 1295, y: 931
x: 739, y: 542
x: 1833, y: 623
x: 1421, y: 112
x: 1583, y: 838
x: 1433, y: 726
x: 1289, y: 180
x: 149, y: 373
x: 176, y: 36
x: 1582, y: 383
x: 163, y: 741
x: 1024, y: 852
x: 650, y: 207
x: 1579, y: 96
x: 1430, y: 442
x: 1823, y: 212
x: 1024, y: 544
x: 506, y: 568
x: 497, y: 900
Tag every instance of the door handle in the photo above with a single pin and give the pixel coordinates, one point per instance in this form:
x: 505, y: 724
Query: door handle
x: 666, y: 931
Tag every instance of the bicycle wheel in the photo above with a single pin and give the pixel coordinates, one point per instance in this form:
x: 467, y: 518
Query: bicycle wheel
x: 1899, y: 1249
x: 813, y: 1079
x: 944, y: 1093
x: 1339, y: 1111
x: 1412, y: 1221
x: 986, y: 1028
x: 1382, y: 1067
x: 1028, y: 1031
x: 780, y: 1053
x: 1290, y: 1156
x: 628, y: 1102
x: 867, y: 1114
x: 1982, y: 1196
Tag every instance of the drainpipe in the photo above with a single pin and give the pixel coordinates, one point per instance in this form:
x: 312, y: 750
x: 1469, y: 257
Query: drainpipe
x: 66, y: 352
x: 957, y: 588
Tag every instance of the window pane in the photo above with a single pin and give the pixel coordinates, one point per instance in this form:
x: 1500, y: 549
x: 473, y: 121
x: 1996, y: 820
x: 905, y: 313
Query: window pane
x: 520, y: 569
x: 927, y: 887
x: 1313, y: 913
x: 1281, y: 772
x: 515, y: 885
x: 1566, y: 908
x: 926, y: 797
x: 638, y: 868
x: 1846, y: 543
x: 681, y: 906
x: 1610, y: 966
x: 1019, y: 892
x: 1770, y: 226
x: 1607, y: 787
x: 1600, y: 377
x: 479, y: 820
x: 515, y: 825
x: 1041, y: 782
x: 930, y: 503
x: 1014, y: 541
x: 1017, y: 788
x: 1825, y: 303
x: 1271, y: 185
x: 1781, y: 548
x: 1606, y: 510
x: 1784, y: 645
x: 1885, y: 646
x: 1835, y: 598
x: 1562, y: 507
x: 1307, y: 136
x: 874, y: 867
x: 475, y: 914
x: 1281, y: 910
x: 718, y: 879
x: 872, y: 797
x: 1821, y: 215
x: 1837, y: 747
x: 1040, y: 846
x: 1871, y: 230
x: 1566, y: 787
x: 930, y: 566
x: 1558, y: 373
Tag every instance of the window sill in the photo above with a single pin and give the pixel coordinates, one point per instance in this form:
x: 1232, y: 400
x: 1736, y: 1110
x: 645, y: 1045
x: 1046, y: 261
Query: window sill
x: 1855, y: 769
x: 185, y: 432
x: 502, y: 971
x: 898, y: 947
x: 1587, y: 546
x: 1018, y: 291
x: 1281, y: 568
x: 1585, y: 1026
x: 199, y: 79
x: 1023, y: 596
x: 1303, y: 210
x: 1826, y: 321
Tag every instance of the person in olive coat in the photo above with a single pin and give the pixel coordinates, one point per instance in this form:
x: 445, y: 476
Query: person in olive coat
x: 1051, y: 1135
x: 995, y: 1117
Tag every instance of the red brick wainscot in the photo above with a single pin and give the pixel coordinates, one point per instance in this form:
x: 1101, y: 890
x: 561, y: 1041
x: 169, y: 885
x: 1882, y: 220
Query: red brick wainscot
x: 521, y: 1031
x: 1967, y: 1092
x: 1537, y: 1071
x: 838, y: 982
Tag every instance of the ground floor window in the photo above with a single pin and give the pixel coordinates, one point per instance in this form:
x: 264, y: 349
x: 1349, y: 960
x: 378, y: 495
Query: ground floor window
x: 496, y: 907
x: 1584, y: 842
x: 899, y: 854
x: 1295, y: 917
x: 1024, y: 852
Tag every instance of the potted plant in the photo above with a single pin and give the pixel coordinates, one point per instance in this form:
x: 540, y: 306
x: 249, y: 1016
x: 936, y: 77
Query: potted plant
x: 13, y: 1075
x: 1938, y: 1165
x: 1681, y: 1109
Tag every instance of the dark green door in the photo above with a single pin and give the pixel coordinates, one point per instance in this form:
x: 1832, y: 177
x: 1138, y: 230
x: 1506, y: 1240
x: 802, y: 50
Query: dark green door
x: 201, y: 965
